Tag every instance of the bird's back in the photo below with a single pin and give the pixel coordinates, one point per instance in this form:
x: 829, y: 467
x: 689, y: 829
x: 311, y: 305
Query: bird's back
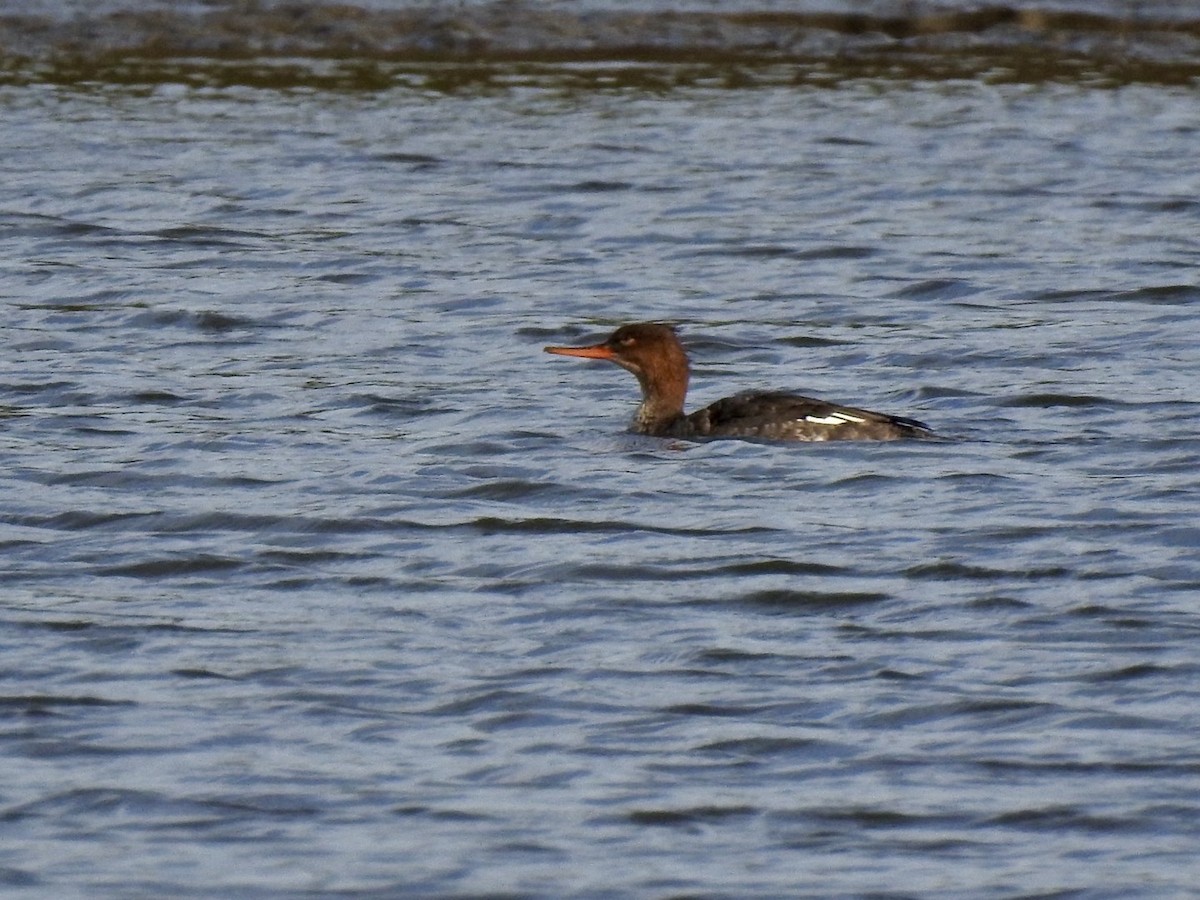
x: 791, y: 417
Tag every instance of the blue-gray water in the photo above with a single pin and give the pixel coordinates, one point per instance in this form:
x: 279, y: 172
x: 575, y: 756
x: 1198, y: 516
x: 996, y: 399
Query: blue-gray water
x: 321, y: 579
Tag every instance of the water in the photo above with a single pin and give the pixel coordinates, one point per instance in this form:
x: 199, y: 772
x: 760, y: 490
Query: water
x: 321, y: 579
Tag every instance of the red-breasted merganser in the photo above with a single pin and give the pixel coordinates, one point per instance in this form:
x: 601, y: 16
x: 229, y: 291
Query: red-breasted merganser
x: 653, y: 353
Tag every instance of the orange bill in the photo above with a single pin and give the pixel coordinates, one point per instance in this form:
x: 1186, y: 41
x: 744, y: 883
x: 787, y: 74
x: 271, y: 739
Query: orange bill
x: 599, y: 351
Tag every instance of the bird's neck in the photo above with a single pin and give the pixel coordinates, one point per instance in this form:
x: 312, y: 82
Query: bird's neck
x: 663, y: 395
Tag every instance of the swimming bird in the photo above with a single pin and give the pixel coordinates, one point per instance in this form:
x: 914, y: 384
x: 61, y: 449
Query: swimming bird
x: 653, y: 353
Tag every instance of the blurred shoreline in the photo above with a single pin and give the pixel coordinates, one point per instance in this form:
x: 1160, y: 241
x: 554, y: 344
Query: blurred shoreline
x: 346, y: 45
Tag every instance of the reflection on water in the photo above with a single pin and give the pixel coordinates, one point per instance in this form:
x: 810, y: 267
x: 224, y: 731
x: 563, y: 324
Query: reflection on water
x: 370, y: 46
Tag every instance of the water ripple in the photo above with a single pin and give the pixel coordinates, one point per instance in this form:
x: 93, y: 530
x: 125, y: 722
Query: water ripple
x: 321, y: 578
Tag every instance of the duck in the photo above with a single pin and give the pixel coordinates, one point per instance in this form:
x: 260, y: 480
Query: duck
x: 654, y: 354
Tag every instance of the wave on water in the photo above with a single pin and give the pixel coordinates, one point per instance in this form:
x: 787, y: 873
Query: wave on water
x: 347, y: 45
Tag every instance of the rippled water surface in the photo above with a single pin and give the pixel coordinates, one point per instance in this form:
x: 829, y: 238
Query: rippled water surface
x: 320, y: 578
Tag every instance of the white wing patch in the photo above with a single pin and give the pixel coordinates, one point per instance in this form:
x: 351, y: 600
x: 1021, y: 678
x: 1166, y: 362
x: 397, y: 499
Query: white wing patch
x: 837, y: 418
